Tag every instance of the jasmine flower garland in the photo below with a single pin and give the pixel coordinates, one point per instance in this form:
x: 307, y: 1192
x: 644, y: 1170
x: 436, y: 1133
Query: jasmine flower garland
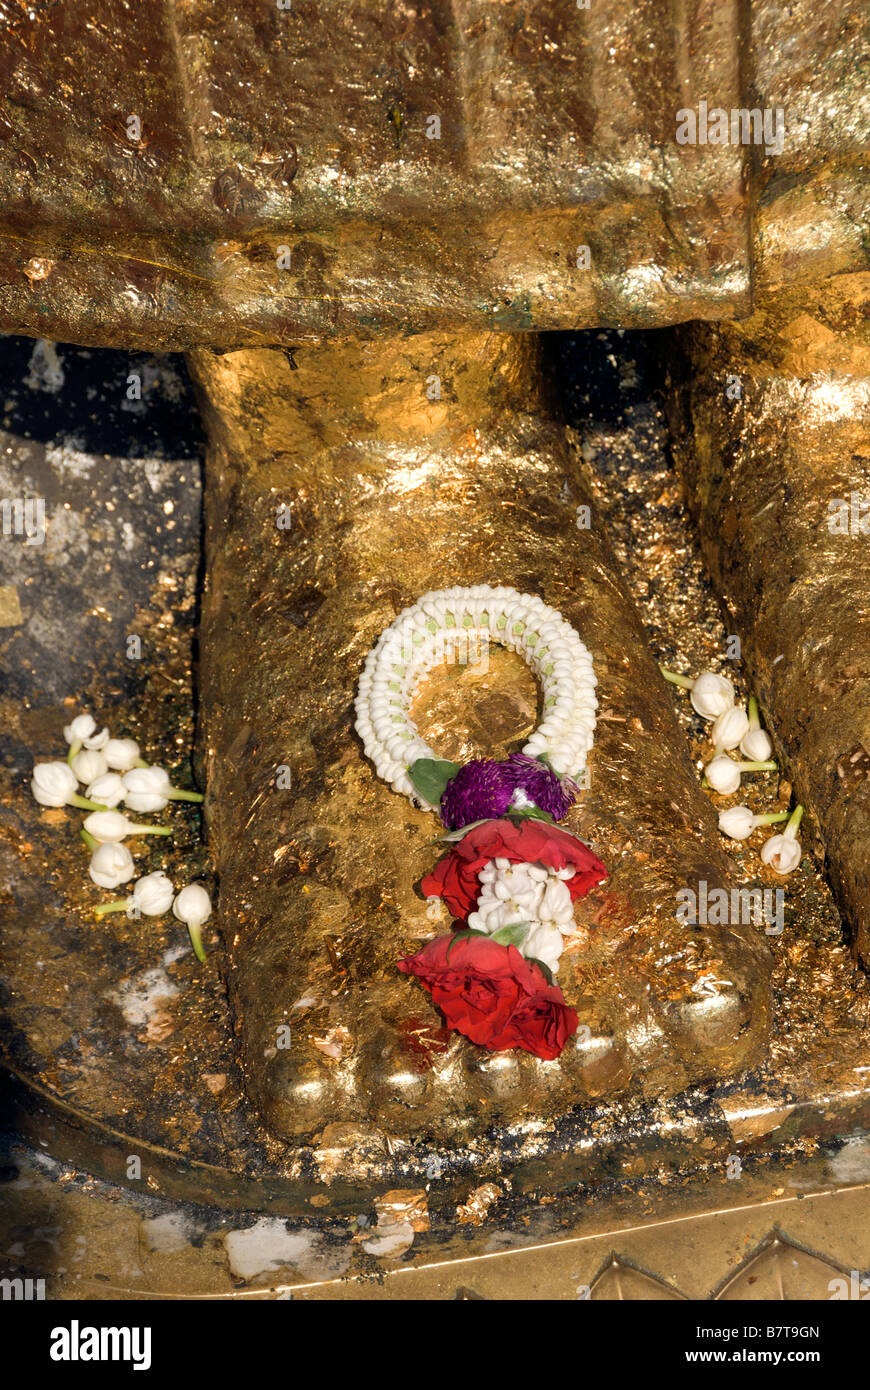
x: 415, y: 643
x: 512, y: 876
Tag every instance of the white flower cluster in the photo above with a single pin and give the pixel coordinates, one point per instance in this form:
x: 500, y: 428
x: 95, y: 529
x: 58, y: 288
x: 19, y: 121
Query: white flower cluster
x: 417, y: 641
x: 532, y: 893
x: 714, y: 699
x: 113, y: 771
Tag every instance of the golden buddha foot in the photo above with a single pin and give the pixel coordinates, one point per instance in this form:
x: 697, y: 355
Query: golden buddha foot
x: 344, y: 482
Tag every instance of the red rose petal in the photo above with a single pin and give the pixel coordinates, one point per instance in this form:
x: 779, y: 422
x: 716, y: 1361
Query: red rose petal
x: 493, y: 995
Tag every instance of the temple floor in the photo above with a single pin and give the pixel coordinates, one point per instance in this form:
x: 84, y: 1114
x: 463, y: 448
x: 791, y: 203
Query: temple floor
x: 119, y: 1045
x: 783, y: 1229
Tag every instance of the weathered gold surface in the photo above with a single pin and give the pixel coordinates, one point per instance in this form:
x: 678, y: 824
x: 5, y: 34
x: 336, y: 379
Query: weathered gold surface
x: 392, y: 494
x: 307, y: 130
x: 763, y: 474
x: 161, y: 1080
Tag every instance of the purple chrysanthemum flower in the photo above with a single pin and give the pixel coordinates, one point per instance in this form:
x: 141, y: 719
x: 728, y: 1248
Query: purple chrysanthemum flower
x: 550, y: 793
x: 481, y: 790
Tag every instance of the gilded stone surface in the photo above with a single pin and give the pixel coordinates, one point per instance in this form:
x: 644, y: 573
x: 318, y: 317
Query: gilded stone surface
x: 180, y: 173
x: 780, y: 482
x: 423, y: 165
x: 392, y: 494
x: 123, y: 1044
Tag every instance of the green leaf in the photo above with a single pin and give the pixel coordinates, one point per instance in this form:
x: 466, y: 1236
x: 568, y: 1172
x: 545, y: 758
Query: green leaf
x: 512, y: 935
x: 462, y: 936
x: 430, y: 776
x: 451, y: 837
x: 530, y: 813
x: 544, y: 969
x: 535, y: 814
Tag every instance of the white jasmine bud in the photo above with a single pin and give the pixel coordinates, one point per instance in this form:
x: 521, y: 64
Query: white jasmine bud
x: 193, y: 907
x: 110, y: 826
x: 111, y: 865
x: 145, y: 789
x: 151, y: 896
x: 783, y: 852
x: 755, y: 743
x: 738, y: 822
x: 149, y: 789
x: 711, y: 695
x: 729, y: 728
x: 108, y: 790
x: 54, y: 784
x: 122, y: 754
x: 82, y: 733
x: 88, y: 765
x: 723, y: 773
x: 80, y: 728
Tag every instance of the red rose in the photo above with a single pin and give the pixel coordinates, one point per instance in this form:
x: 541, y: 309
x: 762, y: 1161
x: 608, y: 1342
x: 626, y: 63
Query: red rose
x: 492, y: 995
x: 528, y: 842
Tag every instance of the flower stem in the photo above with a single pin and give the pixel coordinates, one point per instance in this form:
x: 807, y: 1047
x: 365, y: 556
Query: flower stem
x: 74, y: 748
x: 771, y: 817
x: 769, y: 766
x: 176, y: 795
x: 85, y: 805
x: 150, y: 830
x: 88, y: 839
x: 119, y: 905
x: 791, y: 829
x: 140, y: 762
x: 683, y: 681
x: 195, y: 930
x: 754, y: 721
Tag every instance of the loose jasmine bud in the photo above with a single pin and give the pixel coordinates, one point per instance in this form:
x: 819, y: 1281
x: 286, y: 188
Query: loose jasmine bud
x: 729, y: 728
x: 783, y: 852
x: 193, y: 907
x: 122, y: 754
x: 145, y: 789
x: 755, y: 743
x: 88, y: 765
x: 81, y: 733
x: 111, y: 865
x: 151, y: 896
x: 711, y: 695
x: 107, y: 827
x: 723, y: 773
x: 54, y: 784
x: 738, y: 822
x: 149, y: 789
x: 108, y: 790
